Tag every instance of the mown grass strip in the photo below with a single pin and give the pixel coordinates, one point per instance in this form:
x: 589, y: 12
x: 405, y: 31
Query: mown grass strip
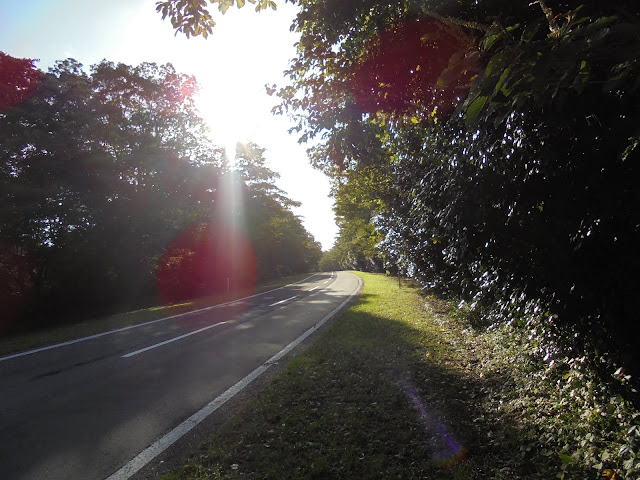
x: 61, y: 333
x: 407, y: 385
x: 374, y: 397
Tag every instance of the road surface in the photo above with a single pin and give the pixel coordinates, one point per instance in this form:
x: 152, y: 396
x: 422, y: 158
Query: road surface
x: 84, y: 410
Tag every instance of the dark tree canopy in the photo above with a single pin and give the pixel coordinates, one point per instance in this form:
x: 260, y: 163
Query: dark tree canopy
x: 499, y: 140
x: 112, y: 196
x: 18, y: 79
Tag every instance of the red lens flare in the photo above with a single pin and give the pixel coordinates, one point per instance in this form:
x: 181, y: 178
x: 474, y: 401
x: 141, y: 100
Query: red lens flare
x: 204, y: 260
x: 416, y: 66
x: 18, y: 79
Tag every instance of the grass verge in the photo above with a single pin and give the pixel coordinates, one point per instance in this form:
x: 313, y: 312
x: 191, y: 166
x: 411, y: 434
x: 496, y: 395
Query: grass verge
x: 384, y: 393
x: 402, y: 386
x: 47, y: 336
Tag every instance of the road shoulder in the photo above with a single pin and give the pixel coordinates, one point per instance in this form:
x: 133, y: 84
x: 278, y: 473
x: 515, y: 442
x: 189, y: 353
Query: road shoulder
x: 191, y: 442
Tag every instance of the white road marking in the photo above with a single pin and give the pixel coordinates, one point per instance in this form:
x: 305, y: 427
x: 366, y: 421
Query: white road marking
x: 312, y: 289
x: 151, y: 452
x: 282, y: 301
x: 171, y: 340
x: 109, y: 332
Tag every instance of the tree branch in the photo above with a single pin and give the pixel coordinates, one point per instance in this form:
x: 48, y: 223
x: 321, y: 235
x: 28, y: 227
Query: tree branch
x: 553, y: 24
x: 458, y: 22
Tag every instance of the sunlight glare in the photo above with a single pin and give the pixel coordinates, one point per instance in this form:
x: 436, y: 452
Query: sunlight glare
x: 227, y: 117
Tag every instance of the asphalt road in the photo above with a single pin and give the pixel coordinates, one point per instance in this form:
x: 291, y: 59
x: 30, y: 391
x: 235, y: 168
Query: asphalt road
x: 85, y: 409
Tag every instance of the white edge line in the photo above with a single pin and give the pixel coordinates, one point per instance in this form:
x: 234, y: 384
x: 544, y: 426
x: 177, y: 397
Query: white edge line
x: 151, y: 452
x: 171, y: 340
x: 109, y: 332
x: 282, y: 301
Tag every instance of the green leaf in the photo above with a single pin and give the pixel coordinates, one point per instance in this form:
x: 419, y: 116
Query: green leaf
x: 497, y: 63
x: 474, y: 109
x: 603, y: 21
x: 566, y: 459
x: 489, y: 41
x: 502, y: 79
x: 223, y: 5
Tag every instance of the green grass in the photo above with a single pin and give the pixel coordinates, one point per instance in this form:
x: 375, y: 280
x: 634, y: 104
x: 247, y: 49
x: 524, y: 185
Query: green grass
x: 379, y: 395
x: 404, y: 385
x: 28, y: 340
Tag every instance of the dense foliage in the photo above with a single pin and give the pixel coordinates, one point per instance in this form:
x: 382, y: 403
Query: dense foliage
x: 524, y: 196
x: 112, y: 193
x: 356, y: 246
x: 492, y: 144
x: 522, y: 200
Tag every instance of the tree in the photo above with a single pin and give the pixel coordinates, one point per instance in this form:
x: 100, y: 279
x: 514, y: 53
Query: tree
x: 282, y: 244
x: 330, y: 260
x: 113, y: 197
x: 18, y: 79
x: 98, y: 172
x: 494, y: 163
x: 250, y: 235
x: 501, y: 200
x: 192, y: 17
x: 251, y: 166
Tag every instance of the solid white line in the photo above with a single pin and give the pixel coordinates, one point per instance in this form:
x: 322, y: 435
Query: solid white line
x: 109, y: 332
x: 311, y: 290
x: 171, y: 340
x: 151, y: 452
x: 282, y: 301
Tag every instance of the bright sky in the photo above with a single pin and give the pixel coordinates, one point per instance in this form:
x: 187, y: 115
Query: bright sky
x: 245, y: 52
